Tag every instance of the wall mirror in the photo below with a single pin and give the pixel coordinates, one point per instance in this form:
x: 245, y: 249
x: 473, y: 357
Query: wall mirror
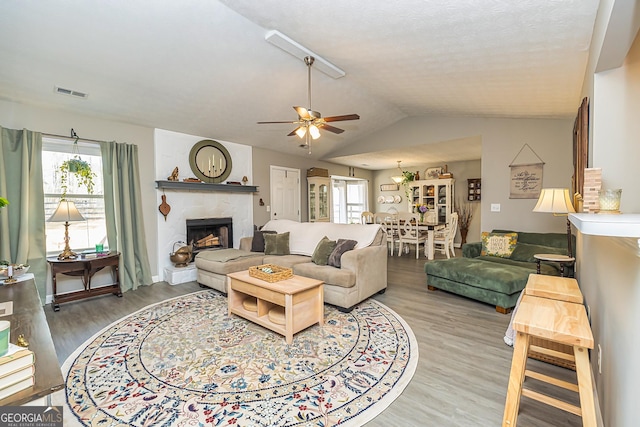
x: 210, y: 161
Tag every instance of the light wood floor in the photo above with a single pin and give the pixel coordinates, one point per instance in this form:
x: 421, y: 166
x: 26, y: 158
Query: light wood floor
x: 463, y: 369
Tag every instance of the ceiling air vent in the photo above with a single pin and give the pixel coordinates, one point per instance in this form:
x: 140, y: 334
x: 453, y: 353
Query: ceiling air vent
x: 63, y: 91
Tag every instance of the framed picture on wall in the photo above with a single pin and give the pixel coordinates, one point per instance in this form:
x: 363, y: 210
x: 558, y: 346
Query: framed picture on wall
x: 432, y: 173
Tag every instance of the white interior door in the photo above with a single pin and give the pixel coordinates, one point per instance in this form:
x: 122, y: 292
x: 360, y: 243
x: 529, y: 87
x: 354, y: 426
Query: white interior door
x: 285, y: 193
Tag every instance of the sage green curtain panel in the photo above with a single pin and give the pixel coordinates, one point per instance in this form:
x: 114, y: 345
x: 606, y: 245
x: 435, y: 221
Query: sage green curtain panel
x: 22, y: 235
x: 123, y: 211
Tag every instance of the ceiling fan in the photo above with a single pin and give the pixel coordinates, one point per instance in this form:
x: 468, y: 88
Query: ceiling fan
x: 309, y: 121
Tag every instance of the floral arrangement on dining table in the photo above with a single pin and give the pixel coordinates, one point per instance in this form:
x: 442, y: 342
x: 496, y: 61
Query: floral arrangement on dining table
x: 422, y: 209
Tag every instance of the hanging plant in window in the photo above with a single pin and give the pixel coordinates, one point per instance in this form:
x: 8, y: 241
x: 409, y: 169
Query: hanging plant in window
x: 80, y: 168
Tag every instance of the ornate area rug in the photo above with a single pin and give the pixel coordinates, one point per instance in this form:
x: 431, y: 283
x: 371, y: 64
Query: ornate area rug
x: 185, y: 362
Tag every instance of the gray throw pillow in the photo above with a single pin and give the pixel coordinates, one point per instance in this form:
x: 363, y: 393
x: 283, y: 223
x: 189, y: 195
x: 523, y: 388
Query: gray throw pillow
x: 342, y: 246
x: 323, y: 250
x: 276, y: 244
x: 257, y: 243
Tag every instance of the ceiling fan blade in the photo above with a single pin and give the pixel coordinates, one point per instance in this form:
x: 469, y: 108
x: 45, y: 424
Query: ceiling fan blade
x: 266, y: 123
x: 302, y: 112
x: 341, y: 118
x: 330, y: 128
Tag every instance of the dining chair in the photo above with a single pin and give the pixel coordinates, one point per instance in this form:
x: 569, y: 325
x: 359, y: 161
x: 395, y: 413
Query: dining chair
x: 366, y: 217
x: 390, y: 224
x: 410, y: 233
x: 443, y: 239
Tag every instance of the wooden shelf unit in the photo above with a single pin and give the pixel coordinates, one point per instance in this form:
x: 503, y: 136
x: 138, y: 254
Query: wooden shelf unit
x: 474, y: 189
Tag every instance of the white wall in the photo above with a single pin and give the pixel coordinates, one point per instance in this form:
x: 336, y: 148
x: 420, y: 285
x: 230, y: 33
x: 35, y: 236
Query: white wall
x: 608, y: 268
x: 171, y: 150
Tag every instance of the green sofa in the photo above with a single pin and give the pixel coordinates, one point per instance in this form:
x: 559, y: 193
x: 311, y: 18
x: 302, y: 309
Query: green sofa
x: 494, y: 280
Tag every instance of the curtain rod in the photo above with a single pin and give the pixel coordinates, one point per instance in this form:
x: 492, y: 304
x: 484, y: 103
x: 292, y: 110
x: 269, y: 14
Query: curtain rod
x: 69, y: 138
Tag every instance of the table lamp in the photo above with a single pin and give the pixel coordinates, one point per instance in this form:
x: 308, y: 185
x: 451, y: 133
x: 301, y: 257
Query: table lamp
x: 65, y: 212
x: 558, y: 202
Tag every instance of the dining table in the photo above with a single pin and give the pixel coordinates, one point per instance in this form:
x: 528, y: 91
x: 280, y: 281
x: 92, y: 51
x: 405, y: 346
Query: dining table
x: 430, y: 228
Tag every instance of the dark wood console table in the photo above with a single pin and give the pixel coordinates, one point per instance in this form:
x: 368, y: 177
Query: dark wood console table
x: 28, y: 319
x: 85, y: 268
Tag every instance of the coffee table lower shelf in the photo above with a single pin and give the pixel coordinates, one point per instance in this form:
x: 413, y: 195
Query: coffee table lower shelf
x: 301, y: 298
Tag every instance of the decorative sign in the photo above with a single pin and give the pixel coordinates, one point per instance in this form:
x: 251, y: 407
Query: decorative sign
x: 526, y: 181
x: 389, y: 187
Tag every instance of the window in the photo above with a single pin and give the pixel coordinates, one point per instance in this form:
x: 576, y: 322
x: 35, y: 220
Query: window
x: 349, y: 199
x: 82, y: 235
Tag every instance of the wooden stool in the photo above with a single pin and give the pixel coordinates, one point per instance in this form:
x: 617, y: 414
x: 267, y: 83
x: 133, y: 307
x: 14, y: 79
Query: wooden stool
x: 556, y: 321
x: 554, y: 287
x: 561, y: 289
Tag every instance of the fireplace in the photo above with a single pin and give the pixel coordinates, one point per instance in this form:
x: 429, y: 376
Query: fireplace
x: 209, y: 233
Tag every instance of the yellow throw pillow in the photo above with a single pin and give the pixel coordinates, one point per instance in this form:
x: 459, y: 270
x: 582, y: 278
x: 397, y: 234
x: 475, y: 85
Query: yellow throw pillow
x: 498, y: 244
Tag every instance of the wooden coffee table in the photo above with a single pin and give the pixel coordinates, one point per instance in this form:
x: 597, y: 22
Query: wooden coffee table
x: 301, y: 298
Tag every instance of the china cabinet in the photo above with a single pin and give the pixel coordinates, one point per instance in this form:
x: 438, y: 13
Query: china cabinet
x: 436, y: 194
x: 319, y: 193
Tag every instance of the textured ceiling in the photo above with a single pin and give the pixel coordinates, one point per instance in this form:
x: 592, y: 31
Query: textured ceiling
x: 203, y: 67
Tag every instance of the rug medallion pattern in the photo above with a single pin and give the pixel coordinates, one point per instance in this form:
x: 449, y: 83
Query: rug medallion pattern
x: 186, y: 362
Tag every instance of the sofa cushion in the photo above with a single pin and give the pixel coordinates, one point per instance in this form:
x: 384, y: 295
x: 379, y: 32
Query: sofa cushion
x: 498, y: 244
x: 329, y: 275
x: 548, y: 269
x: 286, y: 260
x: 324, y: 248
x: 558, y: 240
x: 479, y: 273
x: 215, y: 263
x: 276, y: 244
x: 526, y: 251
x: 342, y: 246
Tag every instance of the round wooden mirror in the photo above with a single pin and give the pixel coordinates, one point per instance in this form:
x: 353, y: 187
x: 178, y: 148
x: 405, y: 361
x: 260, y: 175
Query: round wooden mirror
x: 210, y: 161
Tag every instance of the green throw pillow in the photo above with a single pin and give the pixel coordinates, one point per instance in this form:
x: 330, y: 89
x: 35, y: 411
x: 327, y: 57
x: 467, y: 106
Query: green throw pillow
x: 323, y: 250
x: 498, y: 244
x: 276, y: 244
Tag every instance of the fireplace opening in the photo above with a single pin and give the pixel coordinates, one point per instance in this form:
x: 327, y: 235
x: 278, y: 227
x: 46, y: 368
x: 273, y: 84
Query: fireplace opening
x: 209, y: 233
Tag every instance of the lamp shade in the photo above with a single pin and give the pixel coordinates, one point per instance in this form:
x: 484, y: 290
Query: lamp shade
x: 554, y: 200
x: 66, y: 211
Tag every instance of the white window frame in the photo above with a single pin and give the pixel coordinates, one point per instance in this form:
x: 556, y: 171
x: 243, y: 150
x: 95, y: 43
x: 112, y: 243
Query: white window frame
x: 347, y: 211
x: 90, y: 232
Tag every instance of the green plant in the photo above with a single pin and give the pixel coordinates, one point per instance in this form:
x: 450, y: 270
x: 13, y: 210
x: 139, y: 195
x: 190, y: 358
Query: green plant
x: 81, y: 169
x: 3, y: 202
x: 407, y: 177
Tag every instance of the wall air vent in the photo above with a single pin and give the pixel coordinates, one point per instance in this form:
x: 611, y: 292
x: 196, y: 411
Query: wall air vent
x: 63, y: 91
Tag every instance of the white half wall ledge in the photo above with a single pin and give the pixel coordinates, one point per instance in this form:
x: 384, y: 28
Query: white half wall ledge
x: 611, y: 225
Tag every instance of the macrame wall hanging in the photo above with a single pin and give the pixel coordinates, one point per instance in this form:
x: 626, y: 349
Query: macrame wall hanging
x: 526, y: 178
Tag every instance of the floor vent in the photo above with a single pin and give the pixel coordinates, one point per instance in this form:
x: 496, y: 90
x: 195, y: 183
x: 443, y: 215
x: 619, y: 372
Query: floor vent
x: 63, y: 91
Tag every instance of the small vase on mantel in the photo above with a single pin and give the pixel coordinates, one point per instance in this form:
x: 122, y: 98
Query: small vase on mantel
x: 417, y: 176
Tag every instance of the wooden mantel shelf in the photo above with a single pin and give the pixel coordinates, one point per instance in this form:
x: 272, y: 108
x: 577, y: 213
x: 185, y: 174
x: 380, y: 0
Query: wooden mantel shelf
x: 204, y: 186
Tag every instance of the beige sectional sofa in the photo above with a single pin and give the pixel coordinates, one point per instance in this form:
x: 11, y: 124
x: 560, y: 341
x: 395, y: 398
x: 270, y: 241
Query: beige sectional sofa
x: 363, y: 270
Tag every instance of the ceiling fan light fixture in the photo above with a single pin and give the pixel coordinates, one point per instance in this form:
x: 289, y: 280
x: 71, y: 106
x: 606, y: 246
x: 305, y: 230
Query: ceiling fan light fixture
x: 301, y: 131
x: 314, y: 131
x: 398, y: 178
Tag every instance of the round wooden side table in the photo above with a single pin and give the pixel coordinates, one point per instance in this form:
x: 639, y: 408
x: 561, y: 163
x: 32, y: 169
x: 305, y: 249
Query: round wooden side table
x: 560, y: 259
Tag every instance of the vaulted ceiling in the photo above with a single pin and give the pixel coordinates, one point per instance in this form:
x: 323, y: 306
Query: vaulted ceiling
x: 203, y: 67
